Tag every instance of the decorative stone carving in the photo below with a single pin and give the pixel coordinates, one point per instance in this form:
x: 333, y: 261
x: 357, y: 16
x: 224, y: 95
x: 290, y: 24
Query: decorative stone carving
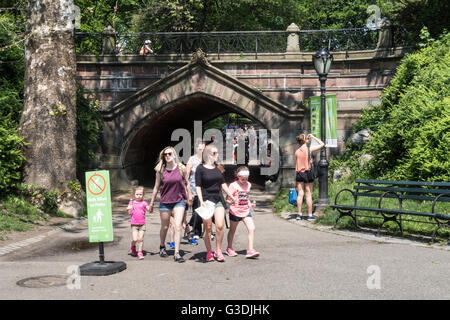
x: 293, y: 44
x: 384, y: 34
x: 109, y: 40
x: 199, y: 57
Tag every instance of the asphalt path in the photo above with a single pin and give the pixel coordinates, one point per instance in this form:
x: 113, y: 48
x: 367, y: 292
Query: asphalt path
x: 297, y: 262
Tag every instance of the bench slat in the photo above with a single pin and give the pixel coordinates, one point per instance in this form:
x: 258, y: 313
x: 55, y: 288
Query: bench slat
x: 393, y: 211
x: 409, y: 190
x: 411, y: 197
x: 405, y: 183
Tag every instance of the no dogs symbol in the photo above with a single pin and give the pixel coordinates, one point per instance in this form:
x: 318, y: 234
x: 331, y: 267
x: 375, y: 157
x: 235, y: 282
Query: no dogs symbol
x: 96, y: 184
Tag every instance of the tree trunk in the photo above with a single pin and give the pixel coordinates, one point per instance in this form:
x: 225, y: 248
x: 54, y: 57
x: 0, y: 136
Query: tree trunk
x: 48, y: 121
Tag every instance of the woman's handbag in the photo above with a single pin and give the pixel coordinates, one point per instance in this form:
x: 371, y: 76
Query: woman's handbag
x: 293, y: 197
x: 312, y: 173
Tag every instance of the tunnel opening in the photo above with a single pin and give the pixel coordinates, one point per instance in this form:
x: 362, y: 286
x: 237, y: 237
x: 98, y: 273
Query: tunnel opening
x: 141, y: 152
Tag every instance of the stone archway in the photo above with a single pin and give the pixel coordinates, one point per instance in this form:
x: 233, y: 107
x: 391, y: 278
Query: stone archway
x: 197, y: 91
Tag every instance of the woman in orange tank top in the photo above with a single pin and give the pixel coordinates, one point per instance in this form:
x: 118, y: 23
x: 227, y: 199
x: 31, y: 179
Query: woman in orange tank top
x: 304, y: 183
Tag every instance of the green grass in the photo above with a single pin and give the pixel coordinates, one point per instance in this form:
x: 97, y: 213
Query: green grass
x: 420, y: 225
x: 17, y: 214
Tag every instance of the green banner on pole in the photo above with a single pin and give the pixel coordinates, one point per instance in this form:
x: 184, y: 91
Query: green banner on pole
x: 98, y: 199
x: 331, y: 119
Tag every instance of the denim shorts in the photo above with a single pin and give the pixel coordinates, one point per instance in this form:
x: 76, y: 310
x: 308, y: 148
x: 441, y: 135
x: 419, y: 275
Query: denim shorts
x: 170, y: 206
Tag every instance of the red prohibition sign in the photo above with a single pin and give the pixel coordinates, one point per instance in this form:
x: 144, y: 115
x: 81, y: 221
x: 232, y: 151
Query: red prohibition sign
x: 96, y: 184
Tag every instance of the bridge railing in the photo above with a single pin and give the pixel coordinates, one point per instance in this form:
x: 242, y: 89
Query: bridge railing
x: 249, y: 42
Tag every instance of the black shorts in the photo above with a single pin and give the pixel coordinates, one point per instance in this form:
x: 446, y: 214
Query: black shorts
x: 303, y: 177
x: 238, y: 219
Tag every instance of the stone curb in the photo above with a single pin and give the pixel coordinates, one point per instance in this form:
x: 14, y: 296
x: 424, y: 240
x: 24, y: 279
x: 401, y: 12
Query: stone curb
x: 370, y: 235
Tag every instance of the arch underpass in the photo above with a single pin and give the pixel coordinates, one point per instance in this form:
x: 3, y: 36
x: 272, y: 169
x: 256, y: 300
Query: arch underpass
x: 142, y: 149
x: 137, y: 128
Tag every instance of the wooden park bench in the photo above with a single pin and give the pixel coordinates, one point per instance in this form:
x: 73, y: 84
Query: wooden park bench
x: 401, y: 191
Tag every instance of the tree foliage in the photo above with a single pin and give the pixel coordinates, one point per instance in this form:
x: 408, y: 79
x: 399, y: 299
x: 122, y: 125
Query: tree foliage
x: 411, y: 126
x: 11, y: 98
x: 89, y: 122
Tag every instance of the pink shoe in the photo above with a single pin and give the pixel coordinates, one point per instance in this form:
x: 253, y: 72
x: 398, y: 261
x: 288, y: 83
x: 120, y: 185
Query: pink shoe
x: 252, y: 254
x: 219, y: 256
x: 209, y: 256
x: 140, y: 255
x: 133, y: 251
x: 230, y: 252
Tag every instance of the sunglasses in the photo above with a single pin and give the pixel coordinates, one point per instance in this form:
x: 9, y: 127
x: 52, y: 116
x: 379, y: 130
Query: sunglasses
x: 168, y: 154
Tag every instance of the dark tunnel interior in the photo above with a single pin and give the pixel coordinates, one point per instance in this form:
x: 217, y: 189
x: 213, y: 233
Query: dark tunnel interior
x: 143, y: 150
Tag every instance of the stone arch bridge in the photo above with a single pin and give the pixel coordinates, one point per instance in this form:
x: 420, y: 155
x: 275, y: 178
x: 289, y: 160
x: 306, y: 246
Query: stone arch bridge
x: 143, y: 99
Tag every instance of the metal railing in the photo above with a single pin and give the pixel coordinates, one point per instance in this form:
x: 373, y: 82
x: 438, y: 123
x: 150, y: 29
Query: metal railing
x: 253, y: 42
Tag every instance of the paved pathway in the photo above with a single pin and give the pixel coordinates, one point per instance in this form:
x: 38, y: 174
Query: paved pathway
x: 297, y: 262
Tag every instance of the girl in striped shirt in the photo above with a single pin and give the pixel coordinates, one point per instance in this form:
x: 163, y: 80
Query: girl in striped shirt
x: 241, y: 211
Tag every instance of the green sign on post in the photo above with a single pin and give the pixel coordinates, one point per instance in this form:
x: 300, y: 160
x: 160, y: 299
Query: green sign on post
x: 98, y: 199
x: 331, y: 119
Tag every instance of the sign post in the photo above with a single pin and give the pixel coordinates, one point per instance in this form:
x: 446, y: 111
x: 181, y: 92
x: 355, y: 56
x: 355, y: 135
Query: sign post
x: 98, y: 201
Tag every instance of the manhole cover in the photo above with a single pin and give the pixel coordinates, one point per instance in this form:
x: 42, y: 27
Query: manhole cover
x: 43, y: 282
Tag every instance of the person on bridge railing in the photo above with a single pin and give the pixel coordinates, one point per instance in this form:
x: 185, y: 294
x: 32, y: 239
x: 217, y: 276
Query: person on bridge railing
x: 241, y: 211
x: 146, y: 49
x: 302, y: 168
x: 175, y: 192
x: 209, y: 181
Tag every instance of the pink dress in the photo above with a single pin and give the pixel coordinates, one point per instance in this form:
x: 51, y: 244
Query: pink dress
x: 242, y: 208
x: 138, y: 212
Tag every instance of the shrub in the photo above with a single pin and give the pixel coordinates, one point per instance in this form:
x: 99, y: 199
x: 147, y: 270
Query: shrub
x: 11, y: 158
x: 411, y: 126
x: 89, y: 122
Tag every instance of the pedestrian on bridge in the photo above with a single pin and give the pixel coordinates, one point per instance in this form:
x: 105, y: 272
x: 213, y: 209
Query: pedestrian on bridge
x: 146, y: 49
x: 175, y: 197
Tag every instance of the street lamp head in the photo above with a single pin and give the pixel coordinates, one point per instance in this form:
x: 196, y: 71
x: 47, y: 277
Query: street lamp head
x: 322, y: 62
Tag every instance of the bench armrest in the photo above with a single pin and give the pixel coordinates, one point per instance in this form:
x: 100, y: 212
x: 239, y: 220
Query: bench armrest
x: 348, y: 190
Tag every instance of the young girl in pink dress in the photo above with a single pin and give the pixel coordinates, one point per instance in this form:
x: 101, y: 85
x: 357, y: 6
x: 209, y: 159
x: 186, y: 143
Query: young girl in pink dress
x: 241, y: 211
x: 137, y: 209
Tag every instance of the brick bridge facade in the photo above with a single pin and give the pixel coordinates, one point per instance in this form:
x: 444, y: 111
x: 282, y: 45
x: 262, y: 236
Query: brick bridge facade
x: 143, y: 99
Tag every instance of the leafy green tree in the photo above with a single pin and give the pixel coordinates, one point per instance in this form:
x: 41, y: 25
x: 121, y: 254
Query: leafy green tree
x: 411, y: 126
x: 11, y: 94
x: 97, y: 15
x: 416, y: 14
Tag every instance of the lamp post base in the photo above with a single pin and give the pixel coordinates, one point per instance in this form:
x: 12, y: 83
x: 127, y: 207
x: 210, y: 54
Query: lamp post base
x: 319, y: 207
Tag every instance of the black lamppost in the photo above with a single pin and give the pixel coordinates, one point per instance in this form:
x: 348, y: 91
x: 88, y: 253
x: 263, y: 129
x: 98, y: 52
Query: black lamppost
x: 322, y: 63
